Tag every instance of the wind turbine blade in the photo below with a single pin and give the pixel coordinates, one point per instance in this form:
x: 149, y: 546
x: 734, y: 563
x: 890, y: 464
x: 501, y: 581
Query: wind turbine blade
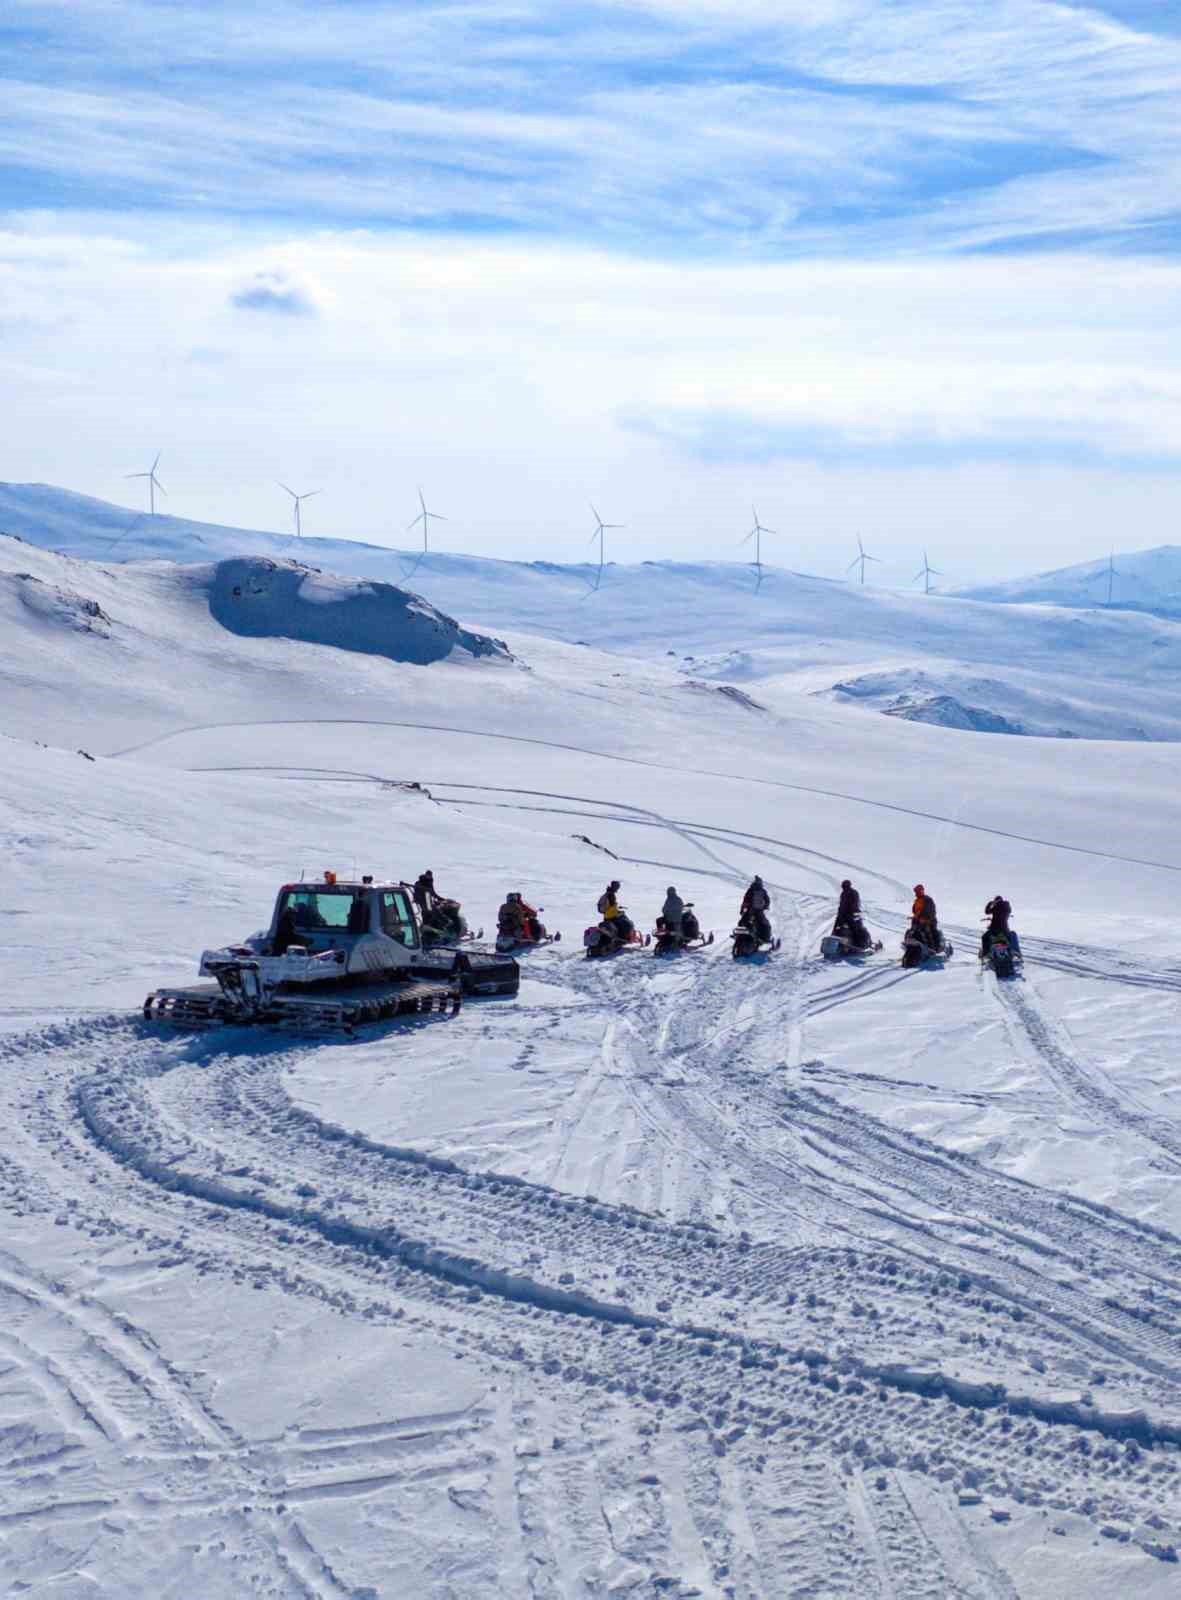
x: 769, y: 530
x: 438, y: 516
x: 855, y: 562
x: 156, y: 463
x: 746, y: 538
x: 864, y: 557
x: 160, y: 486
x: 921, y: 573
x: 291, y: 492
x: 135, y: 474
x: 594, y: 513
x: 416, y: 521
x: 310, y: 493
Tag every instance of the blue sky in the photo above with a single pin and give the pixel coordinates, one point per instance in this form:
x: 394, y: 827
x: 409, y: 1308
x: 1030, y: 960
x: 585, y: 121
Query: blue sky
x: 303, y: 154
x: 748, y: 128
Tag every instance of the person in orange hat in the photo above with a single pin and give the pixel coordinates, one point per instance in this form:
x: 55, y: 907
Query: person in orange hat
x: 922, y: 914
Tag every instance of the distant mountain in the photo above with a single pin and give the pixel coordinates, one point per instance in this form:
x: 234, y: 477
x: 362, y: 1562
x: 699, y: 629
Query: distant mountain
x: 961, y: 662
x: 1143, y: 580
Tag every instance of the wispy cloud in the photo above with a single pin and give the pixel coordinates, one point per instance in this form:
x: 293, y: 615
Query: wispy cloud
x: 272, y: 290
x: 727, y: 438
x: 745, y: 128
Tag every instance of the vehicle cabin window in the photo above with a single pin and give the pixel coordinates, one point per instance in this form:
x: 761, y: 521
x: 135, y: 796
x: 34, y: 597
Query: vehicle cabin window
x: 330, y: 910
x: 397, y: 919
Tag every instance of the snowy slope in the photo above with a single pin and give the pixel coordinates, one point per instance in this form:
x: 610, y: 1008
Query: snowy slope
x: 665, y: 1278
x: 1146, y: 579
x: 1030, y: 670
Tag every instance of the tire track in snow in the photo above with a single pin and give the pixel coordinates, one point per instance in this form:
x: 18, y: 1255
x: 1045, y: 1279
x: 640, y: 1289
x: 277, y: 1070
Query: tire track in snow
x: 1086, y: 1088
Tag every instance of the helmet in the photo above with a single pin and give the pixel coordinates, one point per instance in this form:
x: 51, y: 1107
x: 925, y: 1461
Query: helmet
x: 845, y: 884
x: 918, y: 889
x: 614, y: 884
x: 758, y: 880
x: 672, y: 889
x: 429, y: 875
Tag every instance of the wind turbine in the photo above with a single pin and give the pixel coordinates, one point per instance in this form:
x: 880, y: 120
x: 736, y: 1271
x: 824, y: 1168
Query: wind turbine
x: 860, y: 559
x: 153, y: 482
x: 756, y: 533
x: 601, y: 530
x: 926, y: 572
x: 297, y: 500
x: 1112, y: 572
x: 425, y: 517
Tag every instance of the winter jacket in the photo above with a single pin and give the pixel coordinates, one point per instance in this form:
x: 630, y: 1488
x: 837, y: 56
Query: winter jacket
x: 608, y: 906
x: 756, y: 898
x: 510, y: 918
x: 1000, y: 911
x: 849, y: 907
x: 672, y: 910
x: 923, y: 909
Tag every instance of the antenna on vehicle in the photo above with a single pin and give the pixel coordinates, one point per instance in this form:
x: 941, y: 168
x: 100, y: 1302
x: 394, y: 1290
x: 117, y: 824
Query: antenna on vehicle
x: 297, y: 501
x: 425, y: 517
x: 153, y: 483
x: 926, y: 572
x: 756, y: 533
x: 600, y: 533
x: 860, y: 559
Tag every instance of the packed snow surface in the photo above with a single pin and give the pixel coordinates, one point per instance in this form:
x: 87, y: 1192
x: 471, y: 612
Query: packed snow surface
x: 680, y: 1277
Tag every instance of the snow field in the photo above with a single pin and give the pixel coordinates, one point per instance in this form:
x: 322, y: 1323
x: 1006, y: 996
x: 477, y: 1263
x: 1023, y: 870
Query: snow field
x: 678, y: 1277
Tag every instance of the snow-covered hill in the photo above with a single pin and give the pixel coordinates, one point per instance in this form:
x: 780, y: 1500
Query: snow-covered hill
x: 1148, y: 580
x: 952, y: 662
x: 666, y: 1278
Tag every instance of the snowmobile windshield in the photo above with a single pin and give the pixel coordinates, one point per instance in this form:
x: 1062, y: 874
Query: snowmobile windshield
x: 329, y: 909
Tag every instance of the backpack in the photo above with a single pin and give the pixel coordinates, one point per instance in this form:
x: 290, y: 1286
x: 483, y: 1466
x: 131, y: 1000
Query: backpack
x: 604, y: 904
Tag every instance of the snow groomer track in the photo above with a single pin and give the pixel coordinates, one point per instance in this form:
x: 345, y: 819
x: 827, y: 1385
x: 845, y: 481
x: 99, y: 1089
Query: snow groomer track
x: 670, y: 1407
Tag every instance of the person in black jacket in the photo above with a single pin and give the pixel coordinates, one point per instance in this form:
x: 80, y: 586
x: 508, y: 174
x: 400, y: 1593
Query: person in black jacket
x: 848, y: 922
x: 756, y: 902
x: 998, y: 910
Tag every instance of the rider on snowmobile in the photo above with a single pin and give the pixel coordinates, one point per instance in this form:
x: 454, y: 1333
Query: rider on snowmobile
x: 848, y: 917
x: 616, y: 923
x: 672, y: 910
x: 517, y: 918
x: 999, y: 911
x: 439, y: 914
x: 510, y: 919
x: 756, y: 902
x: 922, y: 917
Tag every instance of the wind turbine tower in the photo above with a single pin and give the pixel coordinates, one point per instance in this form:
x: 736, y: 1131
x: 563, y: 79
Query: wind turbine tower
x: 601, y: 530
x: 297, y: 500
x: 425, y: 517
x: 153, y: 483
x: 860, y: 559
x: 1112, y: 573
x: 756, y: 533
x: 926, y: 572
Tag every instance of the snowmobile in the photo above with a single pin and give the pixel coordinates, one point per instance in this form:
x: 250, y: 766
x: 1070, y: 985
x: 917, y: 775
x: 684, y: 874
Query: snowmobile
x: 602, y: 939
x: 510, y: 936
x: 850, y: 938
x: 335, y: 954
x: 445, y: 924
x: 687, y: 937
x: 1002, y: 954
x: 746, y: 941
x: 916, y: 949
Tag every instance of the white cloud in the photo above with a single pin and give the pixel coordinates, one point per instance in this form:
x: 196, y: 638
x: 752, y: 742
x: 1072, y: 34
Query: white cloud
x: 502, y: 377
